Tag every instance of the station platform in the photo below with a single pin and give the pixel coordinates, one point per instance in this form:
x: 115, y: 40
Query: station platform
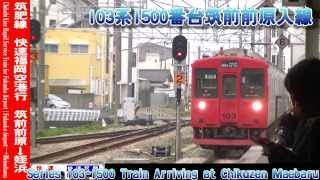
x: 254, y: 155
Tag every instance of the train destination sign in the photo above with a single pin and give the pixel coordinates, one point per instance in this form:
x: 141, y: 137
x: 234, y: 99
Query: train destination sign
x: 229, y: 64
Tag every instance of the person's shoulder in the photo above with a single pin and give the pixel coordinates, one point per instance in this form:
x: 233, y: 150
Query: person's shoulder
x: 316, y: 126
x: 317, y: 123
x: 288, y: 120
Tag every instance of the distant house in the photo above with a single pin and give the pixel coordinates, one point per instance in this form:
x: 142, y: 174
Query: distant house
x: 154, y: 69
x: 157, y: 78
x: 150, y: 48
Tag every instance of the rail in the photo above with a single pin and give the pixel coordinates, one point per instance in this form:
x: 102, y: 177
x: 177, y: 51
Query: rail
x: 60, y: 139
x: 85, y: 150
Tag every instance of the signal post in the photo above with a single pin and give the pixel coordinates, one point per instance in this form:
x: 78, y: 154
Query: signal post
x: 179, y: 52
x: 35, y: 38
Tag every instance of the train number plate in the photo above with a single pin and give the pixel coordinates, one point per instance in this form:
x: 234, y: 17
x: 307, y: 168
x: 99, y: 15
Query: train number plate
x: 229, y: 116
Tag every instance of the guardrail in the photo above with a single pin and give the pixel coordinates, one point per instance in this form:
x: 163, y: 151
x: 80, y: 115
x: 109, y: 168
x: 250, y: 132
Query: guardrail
x: 51, y: 114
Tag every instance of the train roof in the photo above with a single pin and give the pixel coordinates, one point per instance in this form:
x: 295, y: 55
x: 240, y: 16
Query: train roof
x: 243, y: 61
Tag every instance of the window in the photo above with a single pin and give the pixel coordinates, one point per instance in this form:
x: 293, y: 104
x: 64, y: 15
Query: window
x: 79, y: 48
x: 52, y: 23
x: 51, y: 48
x: 252, y: 83
x: 206, y: 83
x: 274, y: 59
x: 53, y: 1
x: 273, y: 32
x: 229, y: 86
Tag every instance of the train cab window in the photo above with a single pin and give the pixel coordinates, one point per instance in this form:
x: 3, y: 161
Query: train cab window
x: 206, y: 83
x: 229, y: 86
x: 252, y: 83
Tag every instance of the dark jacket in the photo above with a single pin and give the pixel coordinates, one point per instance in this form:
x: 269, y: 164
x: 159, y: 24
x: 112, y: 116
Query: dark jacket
x: 286, y: 129
x: 305, y: 147
x: 306, y: 144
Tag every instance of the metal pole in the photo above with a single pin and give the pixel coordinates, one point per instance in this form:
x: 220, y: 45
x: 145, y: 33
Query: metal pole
x: 291, y: 51
x: 178, y: 127
x: 280, y: 53
x: 252, y: 39
x: 312, y: 39
x: 117, y: 52
x: 267, y: 45
x: 41, y: 78
x: 187, y: 79
x: 108, y: 69
x: 130, y: 59
x: 33, y: 104
x: 313, y: 32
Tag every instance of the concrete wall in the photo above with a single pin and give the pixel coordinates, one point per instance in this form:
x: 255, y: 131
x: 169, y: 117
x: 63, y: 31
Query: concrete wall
x: 158, y: 99
x: 161, y: 99
x: 65, y: 124
x: 144, y: 93
x: 78, y: 101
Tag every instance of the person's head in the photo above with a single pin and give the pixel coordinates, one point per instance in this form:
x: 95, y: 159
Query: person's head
x: 303, y: 84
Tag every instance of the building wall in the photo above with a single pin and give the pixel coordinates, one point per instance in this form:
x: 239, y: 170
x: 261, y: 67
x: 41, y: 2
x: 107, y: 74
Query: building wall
x: 152, y: 61
x: 87, y: 68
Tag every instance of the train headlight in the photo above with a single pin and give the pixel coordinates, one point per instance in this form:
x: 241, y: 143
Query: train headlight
x: 257, y: 106
x: 202, y: 105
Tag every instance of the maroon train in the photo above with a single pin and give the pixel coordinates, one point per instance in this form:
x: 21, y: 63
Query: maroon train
x: 234, y: 97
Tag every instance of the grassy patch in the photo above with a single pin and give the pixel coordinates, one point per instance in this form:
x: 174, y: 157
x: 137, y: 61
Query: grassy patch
x: 185, y: 113
x: 91, y: 127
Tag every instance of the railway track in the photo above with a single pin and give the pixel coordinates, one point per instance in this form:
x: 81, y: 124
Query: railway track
x: 207, y: 156
x: 72, y: 154
x: 59, y: 139
x: 229, y: 156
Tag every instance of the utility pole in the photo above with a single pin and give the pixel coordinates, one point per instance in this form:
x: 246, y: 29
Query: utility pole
x: 280, y: 53
x: 267, y: 45
x: 41, y: 66
x: 117, y: 52
x: 130, y: 58
x: 312, y: 32
x: 108, y: 65
x: 240, y: 39
x: 240, y: 34
x: 186, y: 96
x: 252, y: 39
x: 291, y: 51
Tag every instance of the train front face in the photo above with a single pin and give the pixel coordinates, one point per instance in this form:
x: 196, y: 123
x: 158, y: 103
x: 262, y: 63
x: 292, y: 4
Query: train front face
x: 229, y: 101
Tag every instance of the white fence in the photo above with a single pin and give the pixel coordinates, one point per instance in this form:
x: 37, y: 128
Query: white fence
x: 51, y: 114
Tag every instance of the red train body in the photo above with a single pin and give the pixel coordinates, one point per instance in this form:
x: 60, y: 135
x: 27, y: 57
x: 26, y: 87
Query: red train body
x: 230, y: 100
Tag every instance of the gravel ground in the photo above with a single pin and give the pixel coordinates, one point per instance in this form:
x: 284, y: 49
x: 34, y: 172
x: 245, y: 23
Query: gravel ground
x: 157, y: 112
x: 140, y: 151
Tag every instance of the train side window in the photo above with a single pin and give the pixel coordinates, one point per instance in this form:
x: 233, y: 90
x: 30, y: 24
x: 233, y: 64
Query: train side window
x: 252, y: 83
x: 229, y: 86
x: 206, y: 83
